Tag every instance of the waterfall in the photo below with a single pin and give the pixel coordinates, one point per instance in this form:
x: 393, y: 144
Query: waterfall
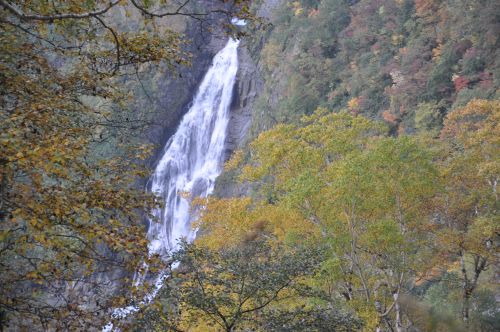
x: 193, y: 156
x: 191, y: 161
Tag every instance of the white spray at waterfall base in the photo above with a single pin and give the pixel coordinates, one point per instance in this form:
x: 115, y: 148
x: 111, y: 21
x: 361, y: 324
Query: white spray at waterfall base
x: 191, y: 161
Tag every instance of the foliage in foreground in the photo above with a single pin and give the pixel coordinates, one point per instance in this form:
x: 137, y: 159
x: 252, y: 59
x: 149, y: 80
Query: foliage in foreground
x: 396, y: 215
x: 252, y: 286
x: 71, y: 232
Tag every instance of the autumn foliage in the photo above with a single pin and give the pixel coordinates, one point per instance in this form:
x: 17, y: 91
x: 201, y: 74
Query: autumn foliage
x: 395, y: 214
x: 71, y: 211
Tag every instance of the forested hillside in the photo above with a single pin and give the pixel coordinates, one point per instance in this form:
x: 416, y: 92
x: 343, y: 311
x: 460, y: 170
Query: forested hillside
x: 410, y: 62
x: 364, y: 196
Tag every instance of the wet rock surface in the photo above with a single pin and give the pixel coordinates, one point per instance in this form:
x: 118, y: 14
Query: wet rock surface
x: 248, y: 86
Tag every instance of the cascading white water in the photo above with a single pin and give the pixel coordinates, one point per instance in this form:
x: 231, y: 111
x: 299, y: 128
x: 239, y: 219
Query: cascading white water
x: 191, y: 162
x: 193, y: 156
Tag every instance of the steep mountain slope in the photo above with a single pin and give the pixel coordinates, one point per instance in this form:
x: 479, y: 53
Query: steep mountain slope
x: 407, y: 61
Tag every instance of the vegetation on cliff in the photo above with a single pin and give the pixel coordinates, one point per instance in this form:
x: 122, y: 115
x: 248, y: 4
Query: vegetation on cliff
x: 408, y: 61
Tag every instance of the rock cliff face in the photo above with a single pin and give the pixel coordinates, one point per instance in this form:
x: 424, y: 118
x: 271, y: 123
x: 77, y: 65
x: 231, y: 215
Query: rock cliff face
x: 248, y: 86
x: 173, y: 93
x: 174, y: 96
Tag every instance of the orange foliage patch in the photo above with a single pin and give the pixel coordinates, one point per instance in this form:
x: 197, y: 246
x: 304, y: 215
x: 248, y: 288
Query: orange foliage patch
x: 390, y: 117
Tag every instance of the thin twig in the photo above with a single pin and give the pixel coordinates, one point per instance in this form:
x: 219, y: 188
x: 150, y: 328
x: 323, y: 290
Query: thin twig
x: 23, y: 16
x: 117, y: 43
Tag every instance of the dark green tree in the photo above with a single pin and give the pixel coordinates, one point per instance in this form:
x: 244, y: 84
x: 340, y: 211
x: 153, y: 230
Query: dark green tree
x: 253, y: 286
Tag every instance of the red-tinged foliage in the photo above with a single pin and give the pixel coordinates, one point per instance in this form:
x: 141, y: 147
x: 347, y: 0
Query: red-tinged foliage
x: 389, y: 117
x: 425, y: 8
x: 460, y: 83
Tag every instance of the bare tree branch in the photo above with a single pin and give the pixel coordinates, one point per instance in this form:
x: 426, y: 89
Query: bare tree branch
x: 117, y: 43
x: 35, y: 17
x: 50, y: 42
x: 196, y: 16
x: 176, y: 12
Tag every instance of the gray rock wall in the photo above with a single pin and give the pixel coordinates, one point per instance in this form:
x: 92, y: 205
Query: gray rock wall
x: 174, y: 95
x: 247, y: 88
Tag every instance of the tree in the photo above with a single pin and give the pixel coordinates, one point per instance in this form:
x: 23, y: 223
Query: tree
x: 378, y: 216
x: 251, y: 286
x: 71, y: 232
x: 360, y: 194
x: 469, y: 208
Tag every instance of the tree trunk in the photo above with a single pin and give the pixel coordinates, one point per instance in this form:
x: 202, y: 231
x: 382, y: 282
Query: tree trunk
x: 466, y: 306
x: 397, y: 309
x: 467, y: 291
x: 470, y: 284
